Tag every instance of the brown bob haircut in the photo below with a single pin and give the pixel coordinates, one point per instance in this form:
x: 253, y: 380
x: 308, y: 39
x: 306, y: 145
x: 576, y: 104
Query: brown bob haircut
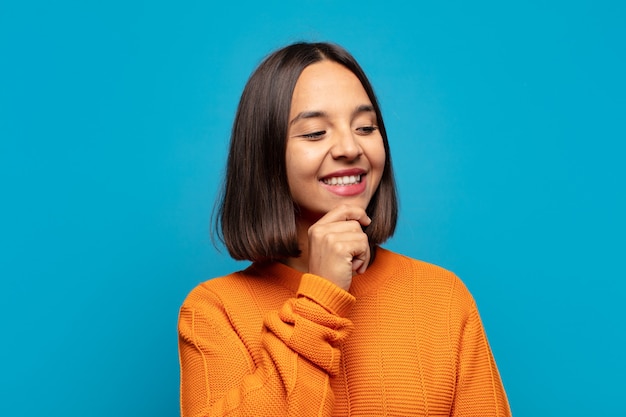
x: 256, y: 218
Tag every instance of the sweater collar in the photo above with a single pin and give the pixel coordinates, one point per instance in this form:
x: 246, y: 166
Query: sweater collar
x: 383, y: 268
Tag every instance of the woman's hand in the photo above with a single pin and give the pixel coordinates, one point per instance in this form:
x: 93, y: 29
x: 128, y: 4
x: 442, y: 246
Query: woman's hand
x: 338, y: 247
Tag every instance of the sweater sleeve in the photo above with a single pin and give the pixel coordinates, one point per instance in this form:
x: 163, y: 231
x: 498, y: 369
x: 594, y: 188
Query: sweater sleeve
x: 479, y: 389
x: 288, y: 375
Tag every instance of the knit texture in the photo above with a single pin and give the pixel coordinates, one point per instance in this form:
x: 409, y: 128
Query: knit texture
x: 406, y: 340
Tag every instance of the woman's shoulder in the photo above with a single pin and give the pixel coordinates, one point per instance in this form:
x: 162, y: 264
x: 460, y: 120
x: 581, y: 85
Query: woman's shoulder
x: 214, y: 289
x: 421, y: 265
x: 428, y: 277
x: 256, y: 282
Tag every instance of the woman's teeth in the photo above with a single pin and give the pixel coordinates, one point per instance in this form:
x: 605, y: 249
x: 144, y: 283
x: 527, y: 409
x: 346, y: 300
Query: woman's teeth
x: 347, y: 180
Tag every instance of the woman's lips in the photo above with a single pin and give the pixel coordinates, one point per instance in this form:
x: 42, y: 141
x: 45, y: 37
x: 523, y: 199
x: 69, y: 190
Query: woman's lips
x: 345, y: 183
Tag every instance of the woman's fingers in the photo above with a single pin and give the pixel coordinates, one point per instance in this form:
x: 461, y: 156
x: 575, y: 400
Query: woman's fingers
x: 338, y: 247
x: 346, y: 213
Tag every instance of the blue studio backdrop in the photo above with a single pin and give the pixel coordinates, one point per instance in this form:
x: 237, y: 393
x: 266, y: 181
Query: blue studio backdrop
x: 506, y: 123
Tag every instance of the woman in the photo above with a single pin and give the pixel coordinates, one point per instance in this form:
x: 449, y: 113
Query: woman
x: 325, y: 322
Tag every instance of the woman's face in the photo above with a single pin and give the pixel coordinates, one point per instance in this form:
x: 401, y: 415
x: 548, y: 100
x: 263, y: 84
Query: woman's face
x: 335, y: 153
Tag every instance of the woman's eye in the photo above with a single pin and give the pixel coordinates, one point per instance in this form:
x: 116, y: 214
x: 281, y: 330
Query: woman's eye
x: 367, y: 130
x: 314, y: 135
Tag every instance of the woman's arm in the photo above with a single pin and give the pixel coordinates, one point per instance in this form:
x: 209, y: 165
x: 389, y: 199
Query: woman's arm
x: 479, y: 390
x: 289, y: 375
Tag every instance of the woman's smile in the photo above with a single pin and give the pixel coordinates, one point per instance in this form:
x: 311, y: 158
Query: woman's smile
x: 348, y: 182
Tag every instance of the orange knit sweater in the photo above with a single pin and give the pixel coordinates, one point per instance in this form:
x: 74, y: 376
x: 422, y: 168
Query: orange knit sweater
x: 406, y: 340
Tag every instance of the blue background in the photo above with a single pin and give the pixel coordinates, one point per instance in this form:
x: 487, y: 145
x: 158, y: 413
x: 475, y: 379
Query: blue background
x: 506, y: 121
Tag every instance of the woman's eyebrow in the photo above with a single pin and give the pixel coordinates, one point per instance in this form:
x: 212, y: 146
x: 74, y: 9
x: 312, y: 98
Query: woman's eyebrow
x: 364, y: 108
x: 308, y: 115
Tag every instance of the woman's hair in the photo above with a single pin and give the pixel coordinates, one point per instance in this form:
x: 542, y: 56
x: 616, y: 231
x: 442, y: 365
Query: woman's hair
x: 256, y: 218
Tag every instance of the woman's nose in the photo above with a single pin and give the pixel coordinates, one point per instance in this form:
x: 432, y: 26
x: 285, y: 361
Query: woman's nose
x: 346, y: 145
